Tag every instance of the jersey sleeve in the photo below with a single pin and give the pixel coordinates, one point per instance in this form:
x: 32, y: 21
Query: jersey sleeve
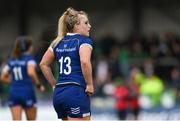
x: 54, y: 43
x: 5, y: 69
x: 52, y: 47
x: 86, y: 42
x: 31, y: 61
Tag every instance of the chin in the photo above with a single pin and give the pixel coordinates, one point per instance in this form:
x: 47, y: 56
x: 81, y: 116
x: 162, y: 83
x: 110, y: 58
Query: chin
x: 87, y: 35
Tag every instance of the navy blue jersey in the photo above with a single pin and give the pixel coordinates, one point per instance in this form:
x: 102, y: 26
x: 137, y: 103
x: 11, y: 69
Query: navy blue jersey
x: 21, y: 88
x: 67, y: 55
x: 18, y: 70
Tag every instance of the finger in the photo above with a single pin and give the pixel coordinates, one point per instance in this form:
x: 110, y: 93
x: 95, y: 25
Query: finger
x: 89, y: 93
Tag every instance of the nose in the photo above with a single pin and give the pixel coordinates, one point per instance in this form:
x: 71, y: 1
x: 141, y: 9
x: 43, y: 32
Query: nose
x: 89, y: 25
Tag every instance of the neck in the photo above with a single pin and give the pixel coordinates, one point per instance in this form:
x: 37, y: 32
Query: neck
x: 27, y: 53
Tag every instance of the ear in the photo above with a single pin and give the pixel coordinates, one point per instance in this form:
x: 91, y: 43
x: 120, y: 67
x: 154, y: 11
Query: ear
x: 76, y: 28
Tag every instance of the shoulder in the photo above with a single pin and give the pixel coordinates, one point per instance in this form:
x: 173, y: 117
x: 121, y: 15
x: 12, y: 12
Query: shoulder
x: 85, y: 38
x: 28, y: 57
x: 85, y: 41
x: 55, y: 42
x: 10, y: 61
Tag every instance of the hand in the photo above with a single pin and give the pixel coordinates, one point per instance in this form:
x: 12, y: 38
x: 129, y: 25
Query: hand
x: 40, y: 87
x: 89, y: 90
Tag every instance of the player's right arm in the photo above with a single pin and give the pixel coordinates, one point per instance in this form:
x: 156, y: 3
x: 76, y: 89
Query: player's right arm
x: 5, y: 75
x: 45, y: 63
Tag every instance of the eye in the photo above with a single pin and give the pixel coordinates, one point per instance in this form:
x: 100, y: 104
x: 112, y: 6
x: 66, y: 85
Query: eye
x: 86, y: 22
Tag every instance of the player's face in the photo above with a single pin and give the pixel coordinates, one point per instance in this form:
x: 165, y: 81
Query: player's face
x: 83, y: 27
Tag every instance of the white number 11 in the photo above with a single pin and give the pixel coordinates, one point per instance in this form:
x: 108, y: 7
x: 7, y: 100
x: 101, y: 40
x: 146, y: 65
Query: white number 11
x: 17, y: 73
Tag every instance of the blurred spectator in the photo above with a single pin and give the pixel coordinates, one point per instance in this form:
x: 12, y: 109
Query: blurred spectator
x: 152, y: 45
x: 134, y: 82
x: 173, y: 44
x: 124, y: 60
x: 121, y: 94
x: 175, y: 80
x: 137, y: 52
x: 114, y: 65
x: 153, y: 86
x: 102, y: 74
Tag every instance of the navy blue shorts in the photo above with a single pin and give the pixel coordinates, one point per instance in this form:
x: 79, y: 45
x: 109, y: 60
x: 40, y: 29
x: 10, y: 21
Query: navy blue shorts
x: 25, y: 98
x: 71, y: 101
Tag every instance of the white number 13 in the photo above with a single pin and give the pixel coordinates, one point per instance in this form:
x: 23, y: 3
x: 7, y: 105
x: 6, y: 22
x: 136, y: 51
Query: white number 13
x: 67, y: 68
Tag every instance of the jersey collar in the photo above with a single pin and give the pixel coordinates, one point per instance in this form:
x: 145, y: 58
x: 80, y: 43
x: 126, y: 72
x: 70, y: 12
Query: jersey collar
x: 71, y: 34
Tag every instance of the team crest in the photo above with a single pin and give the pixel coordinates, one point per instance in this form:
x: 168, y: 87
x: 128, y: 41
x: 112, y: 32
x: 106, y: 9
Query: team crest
x: 65, y: 45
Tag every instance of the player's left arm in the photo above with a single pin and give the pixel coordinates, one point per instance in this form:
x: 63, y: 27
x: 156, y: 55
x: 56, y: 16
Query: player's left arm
x: 85, y: 58
x: 33, y: 74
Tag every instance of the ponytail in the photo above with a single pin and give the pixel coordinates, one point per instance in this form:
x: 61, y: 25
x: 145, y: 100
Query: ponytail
x: 66, y: 24
x: 22, y: 45
x: 61, y: 31
x: 16, y: 52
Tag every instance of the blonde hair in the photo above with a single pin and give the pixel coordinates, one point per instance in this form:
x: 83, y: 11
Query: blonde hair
x: 66, y: 23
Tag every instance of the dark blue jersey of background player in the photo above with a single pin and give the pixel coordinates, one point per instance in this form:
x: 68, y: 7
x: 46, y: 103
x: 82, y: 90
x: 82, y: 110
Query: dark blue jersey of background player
x: 20, y: 79
x: 20, y: 73
x: 72, y: 50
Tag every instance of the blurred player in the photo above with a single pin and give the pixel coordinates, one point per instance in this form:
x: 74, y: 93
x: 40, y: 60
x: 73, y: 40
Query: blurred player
x: 72, y: 50
x: 20, y: 73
